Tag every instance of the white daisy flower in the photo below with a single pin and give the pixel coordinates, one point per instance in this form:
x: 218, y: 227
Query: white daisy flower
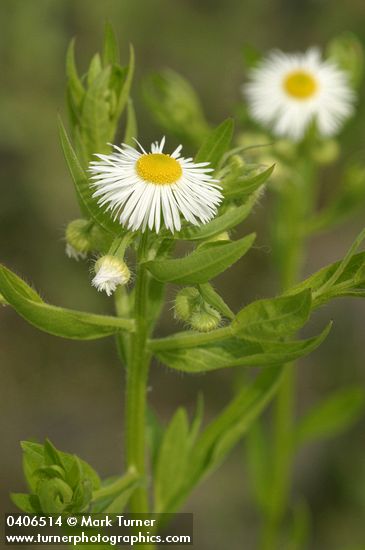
x: 110, y: 272
x: 141, y: 188
x: 289, y: 91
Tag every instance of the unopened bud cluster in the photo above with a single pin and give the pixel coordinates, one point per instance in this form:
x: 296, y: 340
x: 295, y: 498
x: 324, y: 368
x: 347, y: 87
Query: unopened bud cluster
x: 192, y: 309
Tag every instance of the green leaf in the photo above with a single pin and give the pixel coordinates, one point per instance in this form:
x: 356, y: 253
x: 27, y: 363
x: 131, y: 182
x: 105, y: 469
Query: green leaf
x: 223, y: 433
x: 24, y: 502
x: 350, y: 277
x: 110, y: 46
x: 343, y: 265
x: 75, y: 86
x: 95, y: 115
x: 34, y: 460
x: 125, y: 90
x: 331, y: 417
x: 238, y: 185
x: 273, y: 318
x: 216, y: 144
x: 175, y: 106
x: 95, y: 69
x: 257, y: 453
x: 201, y: 265
x: 197, y: 420
x: 55, y: 496
x: 230, y: 218
x: 239, y: 353
x: 51, y: 455
x: 212, y: 297
x: 172, y: 460
x: 155, y: 434
x: 131, y: 126
x: 58, y: 321
x: 83, y: 188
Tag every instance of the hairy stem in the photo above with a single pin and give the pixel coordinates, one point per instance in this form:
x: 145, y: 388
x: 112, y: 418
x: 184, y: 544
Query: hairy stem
x: 137, y: 377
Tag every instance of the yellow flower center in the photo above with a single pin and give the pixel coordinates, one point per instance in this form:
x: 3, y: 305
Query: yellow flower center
x: 300, y: 85
x: 158, y: 168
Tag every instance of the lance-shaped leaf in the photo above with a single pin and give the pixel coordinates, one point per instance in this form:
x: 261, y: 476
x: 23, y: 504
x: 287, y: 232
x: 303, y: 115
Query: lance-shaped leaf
x: 238, y: 185
x: 172, y: 460
x: 239, y: 353
x: 110, y: 46
x: 216, y: 144
x: 175, y: 106
x: 223, y: 433
x: 343, y: 278
x: 273, y: 318
x: 127, y: 83
x: 232, y: 216
x: 332, y: 416
x: 95, y: 115
x: 131, y: 131
x: 83, y: 188
x: 201, y: 265
x: 75, y: 86
x: 58, y: 321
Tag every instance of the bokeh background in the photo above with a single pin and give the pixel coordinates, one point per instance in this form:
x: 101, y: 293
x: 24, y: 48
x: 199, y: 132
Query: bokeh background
x: 73, y: 392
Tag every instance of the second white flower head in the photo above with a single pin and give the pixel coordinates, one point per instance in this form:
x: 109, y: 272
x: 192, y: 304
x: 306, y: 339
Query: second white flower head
x: 143, y: 189
x: 289, y: 91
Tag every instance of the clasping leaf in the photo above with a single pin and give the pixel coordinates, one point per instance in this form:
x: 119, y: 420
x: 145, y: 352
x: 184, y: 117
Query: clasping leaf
x: 66, y: 323
x: 201, y: 265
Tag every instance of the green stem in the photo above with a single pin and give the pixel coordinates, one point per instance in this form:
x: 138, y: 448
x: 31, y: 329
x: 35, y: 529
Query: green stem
x: 137, y: 377
x: 296, y: 204
x: 117, y: 486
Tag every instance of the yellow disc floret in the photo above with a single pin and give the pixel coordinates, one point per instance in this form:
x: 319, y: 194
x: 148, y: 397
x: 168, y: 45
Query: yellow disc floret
x: 158, y: 168
x: 300, y: 85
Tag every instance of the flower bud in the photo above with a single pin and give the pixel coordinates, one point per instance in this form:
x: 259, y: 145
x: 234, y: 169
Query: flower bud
x: 205, y: 319
x: 185, y: 302
x: 77, y: 239
x: 110, y: 272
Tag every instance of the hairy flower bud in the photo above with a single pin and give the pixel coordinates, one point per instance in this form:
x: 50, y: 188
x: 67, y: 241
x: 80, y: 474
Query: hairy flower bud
x: 185, y: 302
x: 205, y: 319
x: 77, y: 239
x: 110, y: 272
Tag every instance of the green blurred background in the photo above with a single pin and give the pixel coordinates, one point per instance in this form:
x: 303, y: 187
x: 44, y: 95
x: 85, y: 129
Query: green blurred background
x: 73, y: 392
